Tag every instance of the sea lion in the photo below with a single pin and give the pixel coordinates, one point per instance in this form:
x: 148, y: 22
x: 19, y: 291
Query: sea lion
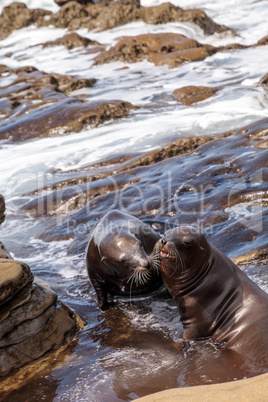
x: 118, y: 257
x: 215, y: 299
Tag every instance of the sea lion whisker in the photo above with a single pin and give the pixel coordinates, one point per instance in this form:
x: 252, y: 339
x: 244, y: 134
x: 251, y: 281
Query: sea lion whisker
x: 131, y: 284
x: 131, y: 277
x: 181, y: 260
x: 156, y: 265
x: 155, y: 260
x: 139, y: 277
x: 146, y: 276
x: 174, y: 270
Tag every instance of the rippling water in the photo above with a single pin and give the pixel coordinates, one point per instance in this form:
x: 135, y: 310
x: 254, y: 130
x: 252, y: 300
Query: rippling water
x: 141, y: 354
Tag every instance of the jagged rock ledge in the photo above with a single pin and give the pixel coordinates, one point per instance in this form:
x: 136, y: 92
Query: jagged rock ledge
x: 161, y: 49
x: 73, y: 15
x: 33, y: 322
x: 48, y: 109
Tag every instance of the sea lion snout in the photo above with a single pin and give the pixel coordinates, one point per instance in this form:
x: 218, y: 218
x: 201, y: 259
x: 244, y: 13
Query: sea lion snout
x: 163, y: 241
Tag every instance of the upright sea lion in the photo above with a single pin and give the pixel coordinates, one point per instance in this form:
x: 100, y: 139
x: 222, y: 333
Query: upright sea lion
x: 118, y: 257
x: 216, y: 300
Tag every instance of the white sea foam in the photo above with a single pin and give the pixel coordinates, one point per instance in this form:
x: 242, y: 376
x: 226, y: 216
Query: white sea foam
x: 45, y: 4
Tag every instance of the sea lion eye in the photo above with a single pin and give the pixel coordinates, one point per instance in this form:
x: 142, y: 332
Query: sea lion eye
x: 187, y: 241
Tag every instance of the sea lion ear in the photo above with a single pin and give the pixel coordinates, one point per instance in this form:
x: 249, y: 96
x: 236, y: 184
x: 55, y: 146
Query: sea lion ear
x: 202, y: 248
x: 102, y: 259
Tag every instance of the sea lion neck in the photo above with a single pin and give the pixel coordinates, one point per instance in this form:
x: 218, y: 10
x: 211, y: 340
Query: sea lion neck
x: 192, y: 281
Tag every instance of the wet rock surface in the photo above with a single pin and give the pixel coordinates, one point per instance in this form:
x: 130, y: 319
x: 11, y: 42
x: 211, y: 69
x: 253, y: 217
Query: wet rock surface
x: 160, y: 49
x: 71, y: 41
x: 32, y: 321
x: 191, y: 94
x: 2, y: 209
x: 76, y: 193
x: 206, y: 183
x: 36, y: 104
x: 82, y: 14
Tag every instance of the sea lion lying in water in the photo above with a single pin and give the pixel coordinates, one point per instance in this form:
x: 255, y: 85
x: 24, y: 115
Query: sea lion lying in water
x: 215, y: 299
x: 118, y: 257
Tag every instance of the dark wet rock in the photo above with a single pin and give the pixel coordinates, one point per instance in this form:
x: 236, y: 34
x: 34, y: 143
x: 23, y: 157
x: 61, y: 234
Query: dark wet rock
x: 59, y: 328
x: 105, y: 15
x: 208, y: 186
x: 264, y: 80
x: 31, y: 89
x: 14, y: 275
x: 192, y: 94
x: 17, y: 16
x: 32, y: 321
x: 30, y: 82
x: 171, y: 49
x: 71, y: 41
x: 2, y: 209
x: 41, y: 106
x: 68, y: 115
x: 75, y: 193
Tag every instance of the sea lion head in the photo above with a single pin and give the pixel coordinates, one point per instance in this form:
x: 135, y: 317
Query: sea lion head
x: 183, y: 252
x: 123, y: 254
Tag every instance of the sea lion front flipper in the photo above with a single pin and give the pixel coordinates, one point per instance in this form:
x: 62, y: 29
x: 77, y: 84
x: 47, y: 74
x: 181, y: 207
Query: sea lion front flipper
x: 102, y: 294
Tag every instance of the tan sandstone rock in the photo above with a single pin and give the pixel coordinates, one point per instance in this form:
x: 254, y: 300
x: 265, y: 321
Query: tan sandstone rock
x: 163, y: 48
x: 71, y: 41
x: 33, y: 321
x: 192, y: 94
x: 248, y: 390
x: 14, y: 275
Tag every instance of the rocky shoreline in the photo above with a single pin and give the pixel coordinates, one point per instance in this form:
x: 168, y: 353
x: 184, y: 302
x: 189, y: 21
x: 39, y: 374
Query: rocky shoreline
x: 204, y: 179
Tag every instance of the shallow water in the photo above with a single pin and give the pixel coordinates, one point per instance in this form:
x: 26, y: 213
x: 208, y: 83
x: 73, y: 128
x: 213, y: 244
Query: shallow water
x: 136, y: 349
